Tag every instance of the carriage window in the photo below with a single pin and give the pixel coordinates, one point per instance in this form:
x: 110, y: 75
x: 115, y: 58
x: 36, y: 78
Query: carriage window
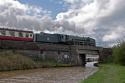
x: 12, y: 33
x: 16, y: 34
x: 20, y: 34
x: 31, y: 35
x: 2, y: 32
x: 24, y: 34
x: 27, y: 34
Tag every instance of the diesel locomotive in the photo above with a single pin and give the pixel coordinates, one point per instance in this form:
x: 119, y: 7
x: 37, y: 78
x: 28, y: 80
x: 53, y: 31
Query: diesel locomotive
x: 29, y: 36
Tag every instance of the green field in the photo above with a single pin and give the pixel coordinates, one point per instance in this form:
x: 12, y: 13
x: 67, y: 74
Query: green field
x: 108, y: 73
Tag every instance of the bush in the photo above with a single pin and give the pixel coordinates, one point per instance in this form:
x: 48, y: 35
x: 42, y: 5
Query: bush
x: 119, y: 53
x: 108, y: 59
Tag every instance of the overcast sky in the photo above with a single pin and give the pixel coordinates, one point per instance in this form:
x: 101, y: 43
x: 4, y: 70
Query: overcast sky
x: 103, y: 20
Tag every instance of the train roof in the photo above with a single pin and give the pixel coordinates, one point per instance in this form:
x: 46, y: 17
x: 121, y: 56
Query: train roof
x: 1, y: 28
x: 86, y: 37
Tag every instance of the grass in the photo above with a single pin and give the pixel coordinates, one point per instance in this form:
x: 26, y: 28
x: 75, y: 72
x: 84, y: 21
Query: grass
x: 14, y: 61
x: 108, y: 73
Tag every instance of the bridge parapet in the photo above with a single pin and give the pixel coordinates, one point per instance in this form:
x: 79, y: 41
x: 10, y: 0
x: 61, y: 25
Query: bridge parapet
x: 88, y: 48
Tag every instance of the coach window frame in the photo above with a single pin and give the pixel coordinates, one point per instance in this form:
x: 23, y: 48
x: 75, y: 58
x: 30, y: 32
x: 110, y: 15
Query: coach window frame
x: 3, y: 32
x: 20, y: 34
x: 27, y: 35
x: 12, y: 33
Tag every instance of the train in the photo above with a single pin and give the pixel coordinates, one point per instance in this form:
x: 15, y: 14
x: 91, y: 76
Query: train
x: 30, y: 36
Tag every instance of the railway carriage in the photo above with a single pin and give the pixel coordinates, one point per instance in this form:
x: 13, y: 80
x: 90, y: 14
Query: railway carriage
x: 16, y: 35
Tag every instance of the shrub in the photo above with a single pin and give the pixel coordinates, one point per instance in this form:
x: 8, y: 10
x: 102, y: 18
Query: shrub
x: 119, y: 53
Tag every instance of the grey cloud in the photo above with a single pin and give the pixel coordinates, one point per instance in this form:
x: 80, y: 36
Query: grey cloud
x: 94, y: 18
x: 109, y: 16
x: 30, y: 17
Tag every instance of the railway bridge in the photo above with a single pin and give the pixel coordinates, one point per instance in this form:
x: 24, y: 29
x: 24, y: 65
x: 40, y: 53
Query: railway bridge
x: 68, y: 54
x: 88, y: 53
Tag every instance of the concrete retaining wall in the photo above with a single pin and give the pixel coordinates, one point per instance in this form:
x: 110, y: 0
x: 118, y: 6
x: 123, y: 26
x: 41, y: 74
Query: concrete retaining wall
x: 65, y: 57
x: 61, y: 53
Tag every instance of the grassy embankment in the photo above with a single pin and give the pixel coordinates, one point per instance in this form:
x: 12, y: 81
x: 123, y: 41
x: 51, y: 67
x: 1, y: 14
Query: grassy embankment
x: 108, y: 73
x: 15, y: 61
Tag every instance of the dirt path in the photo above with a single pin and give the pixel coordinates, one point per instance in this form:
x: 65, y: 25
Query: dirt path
x: 52, y: 75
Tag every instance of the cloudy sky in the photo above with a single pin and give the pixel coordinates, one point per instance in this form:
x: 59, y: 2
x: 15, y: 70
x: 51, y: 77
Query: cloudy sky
x: 103, y: 20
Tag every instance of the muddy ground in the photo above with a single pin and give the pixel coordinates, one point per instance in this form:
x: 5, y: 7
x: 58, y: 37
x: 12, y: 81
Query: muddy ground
x: 48, y: 75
